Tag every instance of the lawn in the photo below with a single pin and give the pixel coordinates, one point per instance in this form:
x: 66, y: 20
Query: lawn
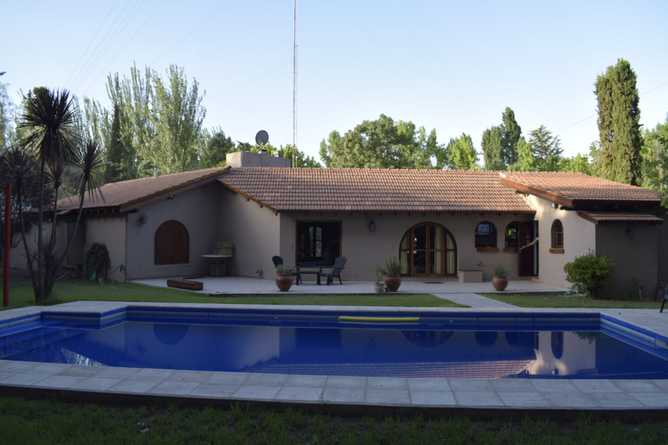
x: 21, y: 295
x: 56, y: 422
x: 559, y: 300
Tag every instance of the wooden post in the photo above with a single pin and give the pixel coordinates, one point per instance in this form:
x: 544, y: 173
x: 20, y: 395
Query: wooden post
x: 8, y: 244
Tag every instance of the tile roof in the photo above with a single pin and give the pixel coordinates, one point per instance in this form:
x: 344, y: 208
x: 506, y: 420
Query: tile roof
x: 372, y: 189
x: 566, y: 187
x: 128, y: 193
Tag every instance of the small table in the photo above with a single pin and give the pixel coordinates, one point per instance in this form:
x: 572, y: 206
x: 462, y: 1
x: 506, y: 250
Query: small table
x: 308, y: 271
x: 218, y: 264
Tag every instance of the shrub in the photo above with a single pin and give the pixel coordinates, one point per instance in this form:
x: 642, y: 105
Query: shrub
x: 500, y: 272
x: 284, y: 271
x: 392, y: 267
x: 588, y: 273
x: 97, y: 262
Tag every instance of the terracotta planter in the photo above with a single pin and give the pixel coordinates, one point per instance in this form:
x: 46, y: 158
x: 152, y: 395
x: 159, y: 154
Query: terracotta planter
x: 392, y: 283
x: 284, y: 282
x: 500, y: 283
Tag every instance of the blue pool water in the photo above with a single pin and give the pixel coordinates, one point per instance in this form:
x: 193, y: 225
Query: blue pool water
x: 313, y: 344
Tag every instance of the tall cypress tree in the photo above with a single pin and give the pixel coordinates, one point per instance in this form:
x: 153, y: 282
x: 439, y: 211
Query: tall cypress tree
x: 511, y: 136
x: 116, y: 152
x: 619, y: 123
x: 492, y: 148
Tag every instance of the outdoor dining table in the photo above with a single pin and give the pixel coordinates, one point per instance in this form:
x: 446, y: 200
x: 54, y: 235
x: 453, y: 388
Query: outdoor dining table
x: 308, y: 271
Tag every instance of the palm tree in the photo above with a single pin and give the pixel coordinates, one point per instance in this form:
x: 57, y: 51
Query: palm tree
x: 51, y: 136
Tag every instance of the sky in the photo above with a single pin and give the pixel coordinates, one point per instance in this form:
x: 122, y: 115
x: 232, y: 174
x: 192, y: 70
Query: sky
x: 449, y: 65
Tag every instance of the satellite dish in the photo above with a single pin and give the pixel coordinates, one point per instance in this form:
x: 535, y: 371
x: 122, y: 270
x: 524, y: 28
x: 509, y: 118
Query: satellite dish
x: 262, y: 137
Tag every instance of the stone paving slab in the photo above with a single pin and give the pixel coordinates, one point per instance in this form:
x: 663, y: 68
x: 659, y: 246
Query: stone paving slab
x: 550, y: 394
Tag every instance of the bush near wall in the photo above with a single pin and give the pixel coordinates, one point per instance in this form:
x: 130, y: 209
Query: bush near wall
x: 588, y: 273
x: 98, y: 262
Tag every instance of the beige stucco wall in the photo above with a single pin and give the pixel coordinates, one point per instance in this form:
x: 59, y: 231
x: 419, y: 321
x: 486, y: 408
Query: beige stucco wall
x: 367, y: 250
x: 634, y: 251
x: 110, y: 232
x: 253, y: 229
x: 197, y: 209
x: 579, y: 239
x: 18, y: 254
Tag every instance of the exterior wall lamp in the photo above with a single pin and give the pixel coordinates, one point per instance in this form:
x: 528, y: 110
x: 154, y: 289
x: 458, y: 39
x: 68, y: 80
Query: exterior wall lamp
x: 372, y: 226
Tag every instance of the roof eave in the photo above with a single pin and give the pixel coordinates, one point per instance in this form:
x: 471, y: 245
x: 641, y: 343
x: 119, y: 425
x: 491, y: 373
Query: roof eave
x: 550, y: 196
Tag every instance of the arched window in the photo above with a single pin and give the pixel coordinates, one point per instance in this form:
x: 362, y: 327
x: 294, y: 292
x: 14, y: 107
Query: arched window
x: 485, y: 235
x: 557, y: 237
x: 172, y: 244
x: 512, y: 236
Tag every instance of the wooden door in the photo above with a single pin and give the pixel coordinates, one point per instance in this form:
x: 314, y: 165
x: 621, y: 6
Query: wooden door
x: 526, y: 253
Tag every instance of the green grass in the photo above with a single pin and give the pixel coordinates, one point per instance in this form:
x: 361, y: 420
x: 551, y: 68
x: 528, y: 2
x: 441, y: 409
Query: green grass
x: 64, y: 291
x: 55, y: 422
x: 560, y: 300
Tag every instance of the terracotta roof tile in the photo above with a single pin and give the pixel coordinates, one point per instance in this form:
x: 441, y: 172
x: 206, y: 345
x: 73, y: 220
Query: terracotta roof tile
x: 578, y: 187
x: 123, y: 193
x: 368, y: 189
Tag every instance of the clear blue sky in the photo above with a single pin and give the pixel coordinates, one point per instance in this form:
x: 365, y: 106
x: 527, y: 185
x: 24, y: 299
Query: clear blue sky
x: 445, y: 65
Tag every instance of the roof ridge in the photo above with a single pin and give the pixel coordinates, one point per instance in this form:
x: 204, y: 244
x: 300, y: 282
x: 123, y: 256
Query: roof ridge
x: 168, y: 175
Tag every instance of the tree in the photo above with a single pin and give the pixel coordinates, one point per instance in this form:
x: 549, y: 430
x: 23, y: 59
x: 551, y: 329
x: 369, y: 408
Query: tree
x: 5, y: 119
x: 546, y: 149
x: 117, y: 168
x: 177, y: 115
x: 525, y: 160
x: 655, y: 160
x: 510, y: 137
x: 492, y: 148
x: 160, y: 120
x: 299, y: 159
x: 215, y: 149
x: 49, y: 135
x: 381, y: 143
x: 619, y: 123
x: 578, y: 163
x: 461, y: 152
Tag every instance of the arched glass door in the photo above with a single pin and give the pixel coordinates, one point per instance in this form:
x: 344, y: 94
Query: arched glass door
x: 428, y: 249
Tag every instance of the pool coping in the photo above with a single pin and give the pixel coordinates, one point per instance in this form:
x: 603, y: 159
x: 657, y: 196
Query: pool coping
x: 421, y: 393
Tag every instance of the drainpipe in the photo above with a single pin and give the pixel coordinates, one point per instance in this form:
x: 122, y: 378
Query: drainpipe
x: 8, y: 244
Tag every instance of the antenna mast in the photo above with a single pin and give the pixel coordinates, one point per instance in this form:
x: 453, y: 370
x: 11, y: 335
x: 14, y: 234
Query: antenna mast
x: 294, y: 83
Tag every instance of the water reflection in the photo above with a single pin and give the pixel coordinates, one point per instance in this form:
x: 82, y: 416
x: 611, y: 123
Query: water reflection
x: 347, y: 351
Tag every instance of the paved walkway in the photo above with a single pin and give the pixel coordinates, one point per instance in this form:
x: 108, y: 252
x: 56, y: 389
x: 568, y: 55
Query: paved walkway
x: 475, y: 301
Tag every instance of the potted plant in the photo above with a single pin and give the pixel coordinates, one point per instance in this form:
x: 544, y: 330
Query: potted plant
x: 392, y: 273
x: 284, y: 278
x: 500, y: 278
x: 380, y: 283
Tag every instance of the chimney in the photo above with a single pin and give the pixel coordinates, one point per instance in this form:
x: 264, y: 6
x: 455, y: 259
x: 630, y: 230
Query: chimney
x: 240, y: 159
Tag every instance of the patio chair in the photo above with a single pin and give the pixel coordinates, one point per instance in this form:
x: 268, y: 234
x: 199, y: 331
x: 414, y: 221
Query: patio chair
x: 333, y: 272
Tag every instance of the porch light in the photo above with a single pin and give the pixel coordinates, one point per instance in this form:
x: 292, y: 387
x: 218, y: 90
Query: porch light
x: 372, y: 226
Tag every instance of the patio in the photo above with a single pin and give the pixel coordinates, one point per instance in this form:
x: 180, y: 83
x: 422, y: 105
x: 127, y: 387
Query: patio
x: 461, y: 293
x: 243, y: 285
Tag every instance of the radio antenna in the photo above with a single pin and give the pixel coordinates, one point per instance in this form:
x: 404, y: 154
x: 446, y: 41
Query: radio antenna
x: 294, y: 83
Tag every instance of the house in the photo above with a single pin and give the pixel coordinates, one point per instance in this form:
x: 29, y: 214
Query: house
x: 439, y: 223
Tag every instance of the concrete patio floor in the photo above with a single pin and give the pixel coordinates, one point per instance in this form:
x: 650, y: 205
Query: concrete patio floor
x: 243, y: 285
x: 466, y: 294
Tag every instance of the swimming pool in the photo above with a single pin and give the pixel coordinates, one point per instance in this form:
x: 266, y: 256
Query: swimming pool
x: 396, y: 344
